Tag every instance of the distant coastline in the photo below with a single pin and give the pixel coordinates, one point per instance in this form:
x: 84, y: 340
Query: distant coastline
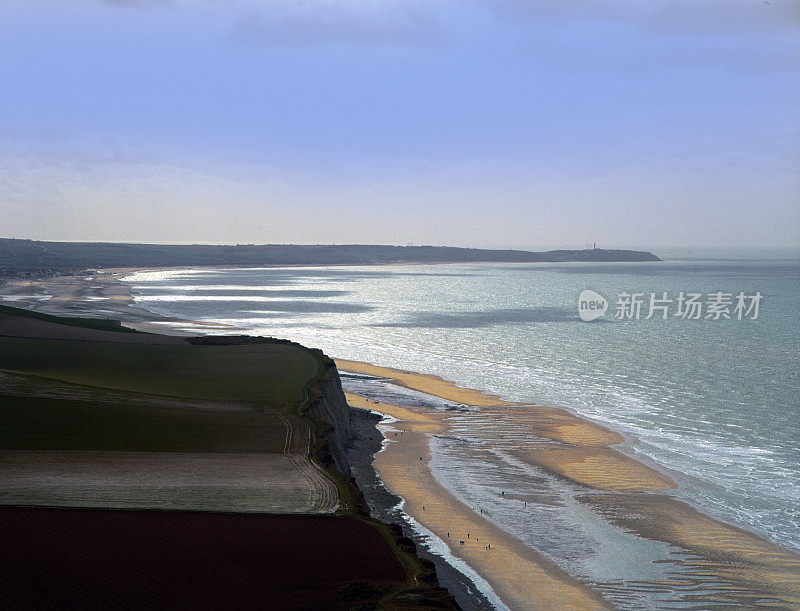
x: 18, y: 255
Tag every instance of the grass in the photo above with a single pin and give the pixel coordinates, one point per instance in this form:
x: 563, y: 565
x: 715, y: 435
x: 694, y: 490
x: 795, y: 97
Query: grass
x: 273, y: 373
x: 101, y: 324
x: 45, y: 424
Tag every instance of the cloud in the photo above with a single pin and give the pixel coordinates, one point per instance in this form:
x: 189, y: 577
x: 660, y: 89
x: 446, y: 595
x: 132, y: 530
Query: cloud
x: 312, y: 23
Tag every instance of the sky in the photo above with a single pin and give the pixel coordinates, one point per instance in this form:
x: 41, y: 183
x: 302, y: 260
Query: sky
x: 485, y: 123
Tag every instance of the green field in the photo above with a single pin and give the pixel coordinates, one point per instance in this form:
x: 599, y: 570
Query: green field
x: 100, y: 324
x: 213, y: 427
x: 28, y: 423
x: 274, y: 373
x: 208, y: 423
x: 76, y: 446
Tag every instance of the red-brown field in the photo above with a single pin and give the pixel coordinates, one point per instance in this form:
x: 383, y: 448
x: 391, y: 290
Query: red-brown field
x: 85, y: 558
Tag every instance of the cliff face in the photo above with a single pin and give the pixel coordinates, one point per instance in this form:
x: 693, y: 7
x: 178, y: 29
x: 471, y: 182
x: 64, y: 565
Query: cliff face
x: 332, y: 407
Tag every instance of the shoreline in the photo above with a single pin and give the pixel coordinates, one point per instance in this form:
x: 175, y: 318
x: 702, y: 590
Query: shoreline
x: 466, y: 586
x: 746, y: 567
x: 623, y: 490
x: 585, y: 455
x: 517, y: 574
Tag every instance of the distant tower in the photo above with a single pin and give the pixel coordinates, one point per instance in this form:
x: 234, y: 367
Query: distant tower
x: 594, y: 245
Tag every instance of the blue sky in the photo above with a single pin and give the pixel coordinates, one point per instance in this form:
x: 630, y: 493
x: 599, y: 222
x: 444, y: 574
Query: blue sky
x: 502, y: 123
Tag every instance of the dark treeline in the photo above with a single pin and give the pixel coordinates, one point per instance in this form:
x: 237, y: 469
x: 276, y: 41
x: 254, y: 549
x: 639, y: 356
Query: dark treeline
x: 33, y: 254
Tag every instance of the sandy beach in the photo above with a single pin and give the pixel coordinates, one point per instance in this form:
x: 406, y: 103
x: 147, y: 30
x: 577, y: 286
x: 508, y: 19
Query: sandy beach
x: 521, y: 577
x: 747, y: 569
x: 583, y: 453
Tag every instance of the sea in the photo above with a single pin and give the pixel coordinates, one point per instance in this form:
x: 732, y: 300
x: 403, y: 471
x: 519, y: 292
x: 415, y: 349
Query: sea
x: 707, y: 393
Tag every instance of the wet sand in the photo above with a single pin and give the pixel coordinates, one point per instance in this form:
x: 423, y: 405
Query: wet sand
x: 756, y: 570
x: 741, y: 568
x: 520, y: 577
x: 582, y: 453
